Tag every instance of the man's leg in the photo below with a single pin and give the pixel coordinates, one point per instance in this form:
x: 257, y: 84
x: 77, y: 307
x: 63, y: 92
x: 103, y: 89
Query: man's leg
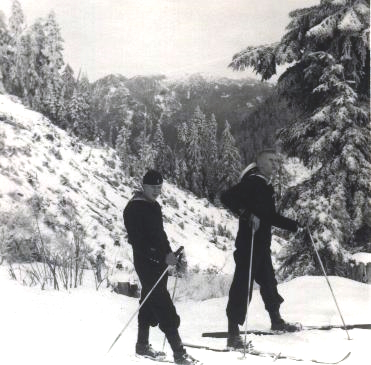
x: 238, y: 292
x: 169, y: 321
x: 265, y: 277
x: 159, y: 309
x: 148, y: 276
x: 238, y: 298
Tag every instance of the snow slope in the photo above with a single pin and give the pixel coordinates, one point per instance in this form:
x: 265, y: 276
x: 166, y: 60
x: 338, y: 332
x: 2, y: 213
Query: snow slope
x: 38, y: 158
x: 77, y: 327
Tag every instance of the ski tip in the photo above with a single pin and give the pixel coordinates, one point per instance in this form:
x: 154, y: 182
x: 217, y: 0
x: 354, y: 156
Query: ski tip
x: 346, y: 356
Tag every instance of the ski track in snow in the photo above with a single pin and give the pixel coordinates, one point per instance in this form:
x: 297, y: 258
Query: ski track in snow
x: 77, y: 327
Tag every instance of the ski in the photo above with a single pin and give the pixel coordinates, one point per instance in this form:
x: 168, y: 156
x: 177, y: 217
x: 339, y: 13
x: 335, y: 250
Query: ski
x: 274, y: 356
x: 224, y: 334
x: 142, y: 359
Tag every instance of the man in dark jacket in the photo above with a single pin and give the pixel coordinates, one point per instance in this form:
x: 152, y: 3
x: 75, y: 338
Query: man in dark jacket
x: 252, y: 199
x: 152, y: 254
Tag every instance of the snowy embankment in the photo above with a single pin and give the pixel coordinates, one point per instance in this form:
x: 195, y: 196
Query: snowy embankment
x: 77, y: 327
x: 39, y: 159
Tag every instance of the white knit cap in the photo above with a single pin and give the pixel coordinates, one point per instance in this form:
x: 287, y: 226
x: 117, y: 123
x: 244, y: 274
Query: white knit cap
x: 247, y: 169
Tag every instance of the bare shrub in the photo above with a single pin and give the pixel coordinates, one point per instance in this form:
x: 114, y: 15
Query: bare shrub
x: 38, y: 255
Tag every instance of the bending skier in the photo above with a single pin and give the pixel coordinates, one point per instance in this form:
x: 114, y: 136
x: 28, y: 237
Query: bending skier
x: 152, y: 254
x: 252, y: 199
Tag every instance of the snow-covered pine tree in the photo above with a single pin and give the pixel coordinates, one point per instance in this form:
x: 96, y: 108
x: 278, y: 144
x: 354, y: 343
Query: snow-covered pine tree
x: 181, y: 168
x: 164, y: 159
x: 193, y: 153
x: 14, y: 70
x: 50, y: 70
x: 79, y: 111
x: 32, y: 58
x: 328, y: 46
x: 4, y: 42
x: 123, y: 147
x: 181, y: 172
x: 69, y: 82
x: 209, y: 151
x: 229, y: 159
x: 144, y: 156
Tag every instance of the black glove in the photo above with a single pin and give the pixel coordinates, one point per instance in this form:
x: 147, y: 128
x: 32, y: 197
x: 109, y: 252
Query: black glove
x: 181, y: 266
x: 302, y: 225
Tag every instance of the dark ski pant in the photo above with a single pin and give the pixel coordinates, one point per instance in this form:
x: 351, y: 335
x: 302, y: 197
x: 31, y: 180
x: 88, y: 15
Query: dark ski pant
x: 158, y: 308
x: 262, y: 272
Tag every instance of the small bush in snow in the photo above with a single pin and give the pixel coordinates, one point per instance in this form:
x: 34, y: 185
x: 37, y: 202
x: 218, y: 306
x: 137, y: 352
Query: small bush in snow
x: 111, y: 164
x: 56, y: 152
x: 202, y: 285
x: 171, y: 200
x: 205, y: 221
x: 2, y: 142
x: 103, y: 191
x: 65, y: 181
x: 49, y: 137
x: 32, y: 179
x: 17, y: 236
x: 223, y: 231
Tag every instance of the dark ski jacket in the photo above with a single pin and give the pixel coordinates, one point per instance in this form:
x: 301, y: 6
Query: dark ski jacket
x: 254, y: 195
x: 144, y: 225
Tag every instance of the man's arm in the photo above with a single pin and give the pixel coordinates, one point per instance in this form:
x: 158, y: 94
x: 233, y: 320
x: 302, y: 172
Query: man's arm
x: 233, y: 198
x: 137, y: 229
x: 261, y: 206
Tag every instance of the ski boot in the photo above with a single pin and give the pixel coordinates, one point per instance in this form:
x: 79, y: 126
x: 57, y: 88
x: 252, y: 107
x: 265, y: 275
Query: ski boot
x: 234, y: 340
x: 146, y: 350
x: 280, y: 325
x: 182, y: 358
x: 237, y: 343
x: 283, y: 326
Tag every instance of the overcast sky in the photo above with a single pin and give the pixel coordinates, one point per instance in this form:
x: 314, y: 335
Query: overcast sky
x: 171, y: 37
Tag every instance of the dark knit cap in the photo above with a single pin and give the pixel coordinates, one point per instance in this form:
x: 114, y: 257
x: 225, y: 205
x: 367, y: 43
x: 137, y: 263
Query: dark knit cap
x: 152, y: 177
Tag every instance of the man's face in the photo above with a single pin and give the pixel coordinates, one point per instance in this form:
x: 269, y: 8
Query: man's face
x: 152, y: 192
x: 268, y: 163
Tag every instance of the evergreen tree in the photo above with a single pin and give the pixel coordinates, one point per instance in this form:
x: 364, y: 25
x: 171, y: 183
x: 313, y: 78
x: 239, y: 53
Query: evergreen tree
x: 123, y: 147
x: 50, y: 70
x: 229, y: 160
x: 328, y: 46
x: 79, y: 111
x: 209, y: 150
x: 14, y: 69
x: 32, y: 58
x: 4, y: 42
x: 180, y: 172
x: 162, y: 161
x: 193, y: 153
x: 146, y: 156
x: 69, y: 81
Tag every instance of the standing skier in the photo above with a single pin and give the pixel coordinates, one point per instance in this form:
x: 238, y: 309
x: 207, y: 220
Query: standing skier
x: 252, y: 199
x: 152, y: 254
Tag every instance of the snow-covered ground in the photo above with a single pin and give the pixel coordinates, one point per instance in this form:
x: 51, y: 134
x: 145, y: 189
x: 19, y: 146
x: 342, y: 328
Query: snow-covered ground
x: 77, y: 327
x: 39, y: 159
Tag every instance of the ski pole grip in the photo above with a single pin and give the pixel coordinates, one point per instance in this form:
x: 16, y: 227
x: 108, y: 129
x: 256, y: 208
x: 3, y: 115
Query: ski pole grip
x: 178, y: 252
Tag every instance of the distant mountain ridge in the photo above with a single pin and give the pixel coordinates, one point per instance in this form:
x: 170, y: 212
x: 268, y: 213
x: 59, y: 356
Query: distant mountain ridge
x: 177, y: 98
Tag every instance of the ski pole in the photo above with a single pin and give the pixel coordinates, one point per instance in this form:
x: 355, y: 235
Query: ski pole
x: 172, y: 299
x: 176, y: 253
x: 249, y: 288
x: 328, y: 282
